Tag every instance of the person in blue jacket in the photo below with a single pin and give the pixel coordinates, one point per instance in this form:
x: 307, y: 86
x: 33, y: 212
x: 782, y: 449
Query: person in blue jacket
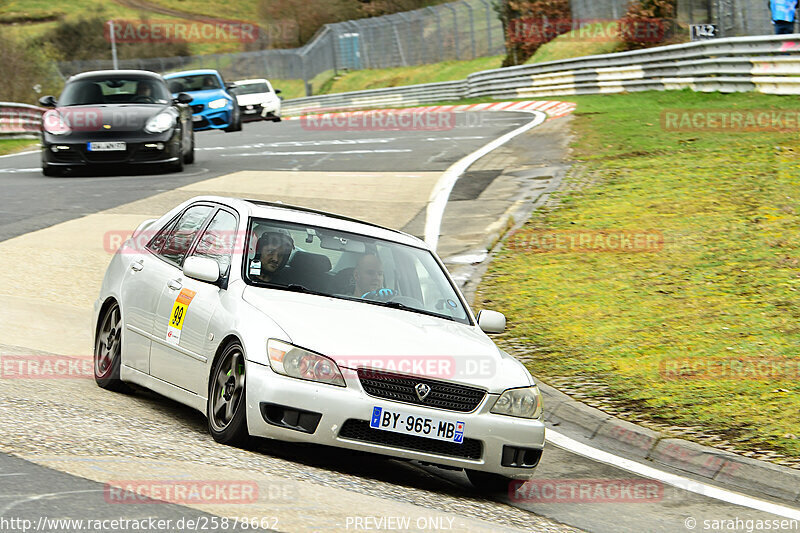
x: 783, y: 13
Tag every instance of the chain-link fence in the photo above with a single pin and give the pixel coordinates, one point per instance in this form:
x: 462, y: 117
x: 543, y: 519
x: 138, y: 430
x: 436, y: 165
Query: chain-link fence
x: 466, y: 29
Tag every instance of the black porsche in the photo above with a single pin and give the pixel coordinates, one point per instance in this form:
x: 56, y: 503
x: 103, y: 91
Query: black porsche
x: 112, y: 117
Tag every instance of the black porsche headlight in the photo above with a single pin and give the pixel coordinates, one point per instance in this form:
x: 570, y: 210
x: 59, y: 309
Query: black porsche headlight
x: 160, y: 123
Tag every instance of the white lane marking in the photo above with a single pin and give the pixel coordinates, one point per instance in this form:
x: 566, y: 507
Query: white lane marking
x: 313, y: 152
x: 334, y: 142
x: 17, y: 170
x: 441, y: 191
x: 689, y: 485
x: 20, y: 153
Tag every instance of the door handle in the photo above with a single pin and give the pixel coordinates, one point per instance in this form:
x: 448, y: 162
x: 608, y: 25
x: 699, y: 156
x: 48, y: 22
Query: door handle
x: 136, y: 266
x: 174, y: 284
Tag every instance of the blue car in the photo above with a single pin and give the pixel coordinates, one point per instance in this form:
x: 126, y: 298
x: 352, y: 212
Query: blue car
x: 213, y: 105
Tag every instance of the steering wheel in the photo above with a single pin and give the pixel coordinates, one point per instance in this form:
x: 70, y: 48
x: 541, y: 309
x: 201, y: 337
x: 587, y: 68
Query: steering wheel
x: 141, y: 99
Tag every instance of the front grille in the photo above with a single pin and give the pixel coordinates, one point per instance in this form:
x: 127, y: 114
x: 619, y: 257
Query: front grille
x: 198, y: 108
x: 115, y: 156
x: 359, y: 430
x: 400, y: 388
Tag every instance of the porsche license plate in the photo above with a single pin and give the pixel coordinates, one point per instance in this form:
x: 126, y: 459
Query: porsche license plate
x: 420, y: 426
x: 107, y: 147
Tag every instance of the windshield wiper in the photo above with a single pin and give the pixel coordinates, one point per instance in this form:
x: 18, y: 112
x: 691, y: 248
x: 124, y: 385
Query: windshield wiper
x: 293, y: 287
x: 403, y: 307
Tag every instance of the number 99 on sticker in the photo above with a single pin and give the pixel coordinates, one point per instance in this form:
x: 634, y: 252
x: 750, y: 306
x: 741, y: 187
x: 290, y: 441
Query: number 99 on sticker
x: 178, y: 314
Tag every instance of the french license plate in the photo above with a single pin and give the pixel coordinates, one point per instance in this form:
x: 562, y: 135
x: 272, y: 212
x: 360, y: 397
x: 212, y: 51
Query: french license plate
x: 250, y: 111
x: 196, y: 118
x: 421, y: 426
x: 107, y: 147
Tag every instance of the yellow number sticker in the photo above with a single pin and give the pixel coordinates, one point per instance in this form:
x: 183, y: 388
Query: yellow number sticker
x: 178, y: 315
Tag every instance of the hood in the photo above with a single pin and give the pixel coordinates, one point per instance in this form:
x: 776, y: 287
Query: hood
x: 256, y: 98
x: 203, y: 97
x: 110, y: 117
x: 361, y: 335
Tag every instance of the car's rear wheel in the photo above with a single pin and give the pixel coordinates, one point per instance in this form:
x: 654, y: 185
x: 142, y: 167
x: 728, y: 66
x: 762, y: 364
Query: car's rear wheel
x: 488, y: 482
x: 226, y: 408
x: 108, y: 351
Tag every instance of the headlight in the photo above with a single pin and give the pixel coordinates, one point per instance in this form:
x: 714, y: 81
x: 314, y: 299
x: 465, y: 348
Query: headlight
x: 217, y: 104
x: 160, y: 123
x: 522, y: 403
x: 53, y: 122
x: 298, y: 363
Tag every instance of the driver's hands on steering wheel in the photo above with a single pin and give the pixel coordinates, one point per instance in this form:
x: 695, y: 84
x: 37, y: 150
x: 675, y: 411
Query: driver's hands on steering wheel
x: 379, y: 294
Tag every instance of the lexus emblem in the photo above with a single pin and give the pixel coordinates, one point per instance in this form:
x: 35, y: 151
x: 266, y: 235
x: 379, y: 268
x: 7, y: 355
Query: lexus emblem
x: 422, y: 390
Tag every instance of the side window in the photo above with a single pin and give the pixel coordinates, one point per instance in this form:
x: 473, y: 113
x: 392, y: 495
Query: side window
x: 181, y: 237
x: 158, y: 240
x: 218, y: 240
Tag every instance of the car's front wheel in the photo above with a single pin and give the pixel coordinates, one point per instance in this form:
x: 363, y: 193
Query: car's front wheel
x: 108, y: 351
x: 227, y: 420
x: 488, y: 482
x: 51, y: 171
x: 189, y: 157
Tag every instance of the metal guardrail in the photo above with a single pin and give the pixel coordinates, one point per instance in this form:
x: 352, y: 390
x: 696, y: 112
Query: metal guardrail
x: 768, y: 64
x: 20, y: 120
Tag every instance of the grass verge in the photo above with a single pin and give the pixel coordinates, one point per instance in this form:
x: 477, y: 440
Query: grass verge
x: 9, y: 146
x: 702, y: 334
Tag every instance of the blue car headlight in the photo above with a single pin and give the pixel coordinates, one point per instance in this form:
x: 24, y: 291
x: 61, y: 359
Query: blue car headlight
x: 218, y: 103
x: 160, y: 123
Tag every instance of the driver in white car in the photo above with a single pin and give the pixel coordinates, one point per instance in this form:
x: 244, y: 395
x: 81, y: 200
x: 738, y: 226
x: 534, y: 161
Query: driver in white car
x: 274, y: 250
x: 368, y: 275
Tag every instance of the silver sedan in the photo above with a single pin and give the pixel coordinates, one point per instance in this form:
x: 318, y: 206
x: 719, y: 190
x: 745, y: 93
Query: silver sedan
x: 293, y: 324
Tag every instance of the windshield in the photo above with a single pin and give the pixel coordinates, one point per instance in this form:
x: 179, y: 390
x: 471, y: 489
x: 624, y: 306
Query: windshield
x: 198, y: 82
x: 252, y: 88
x: 350, y: 266
x: 114, y: 90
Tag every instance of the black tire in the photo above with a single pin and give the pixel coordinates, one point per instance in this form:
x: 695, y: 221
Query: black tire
x: 108, y: 351
x: 226, y: 406
x: 276, y: 119
x: 237, y: 124
x: 189, y: 157
x: 489, y: 483
x: 177, y: 166
x: 51, y: 171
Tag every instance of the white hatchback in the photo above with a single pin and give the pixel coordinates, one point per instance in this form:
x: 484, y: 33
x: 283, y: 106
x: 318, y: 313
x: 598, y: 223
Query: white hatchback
x: 258, y: 100
x: 293, y: 324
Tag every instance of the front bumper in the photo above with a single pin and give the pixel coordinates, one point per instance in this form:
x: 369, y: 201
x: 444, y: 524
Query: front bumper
x: 212, y: 119
x: 140, y: 149
x: 340, y: 407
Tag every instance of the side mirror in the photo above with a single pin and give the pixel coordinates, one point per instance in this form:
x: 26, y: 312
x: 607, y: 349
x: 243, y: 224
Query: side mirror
x: 201, y: 268
x: 491, y: 321
x: 47, y: 101
x: 278, y: 91
x: 183, y: 98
